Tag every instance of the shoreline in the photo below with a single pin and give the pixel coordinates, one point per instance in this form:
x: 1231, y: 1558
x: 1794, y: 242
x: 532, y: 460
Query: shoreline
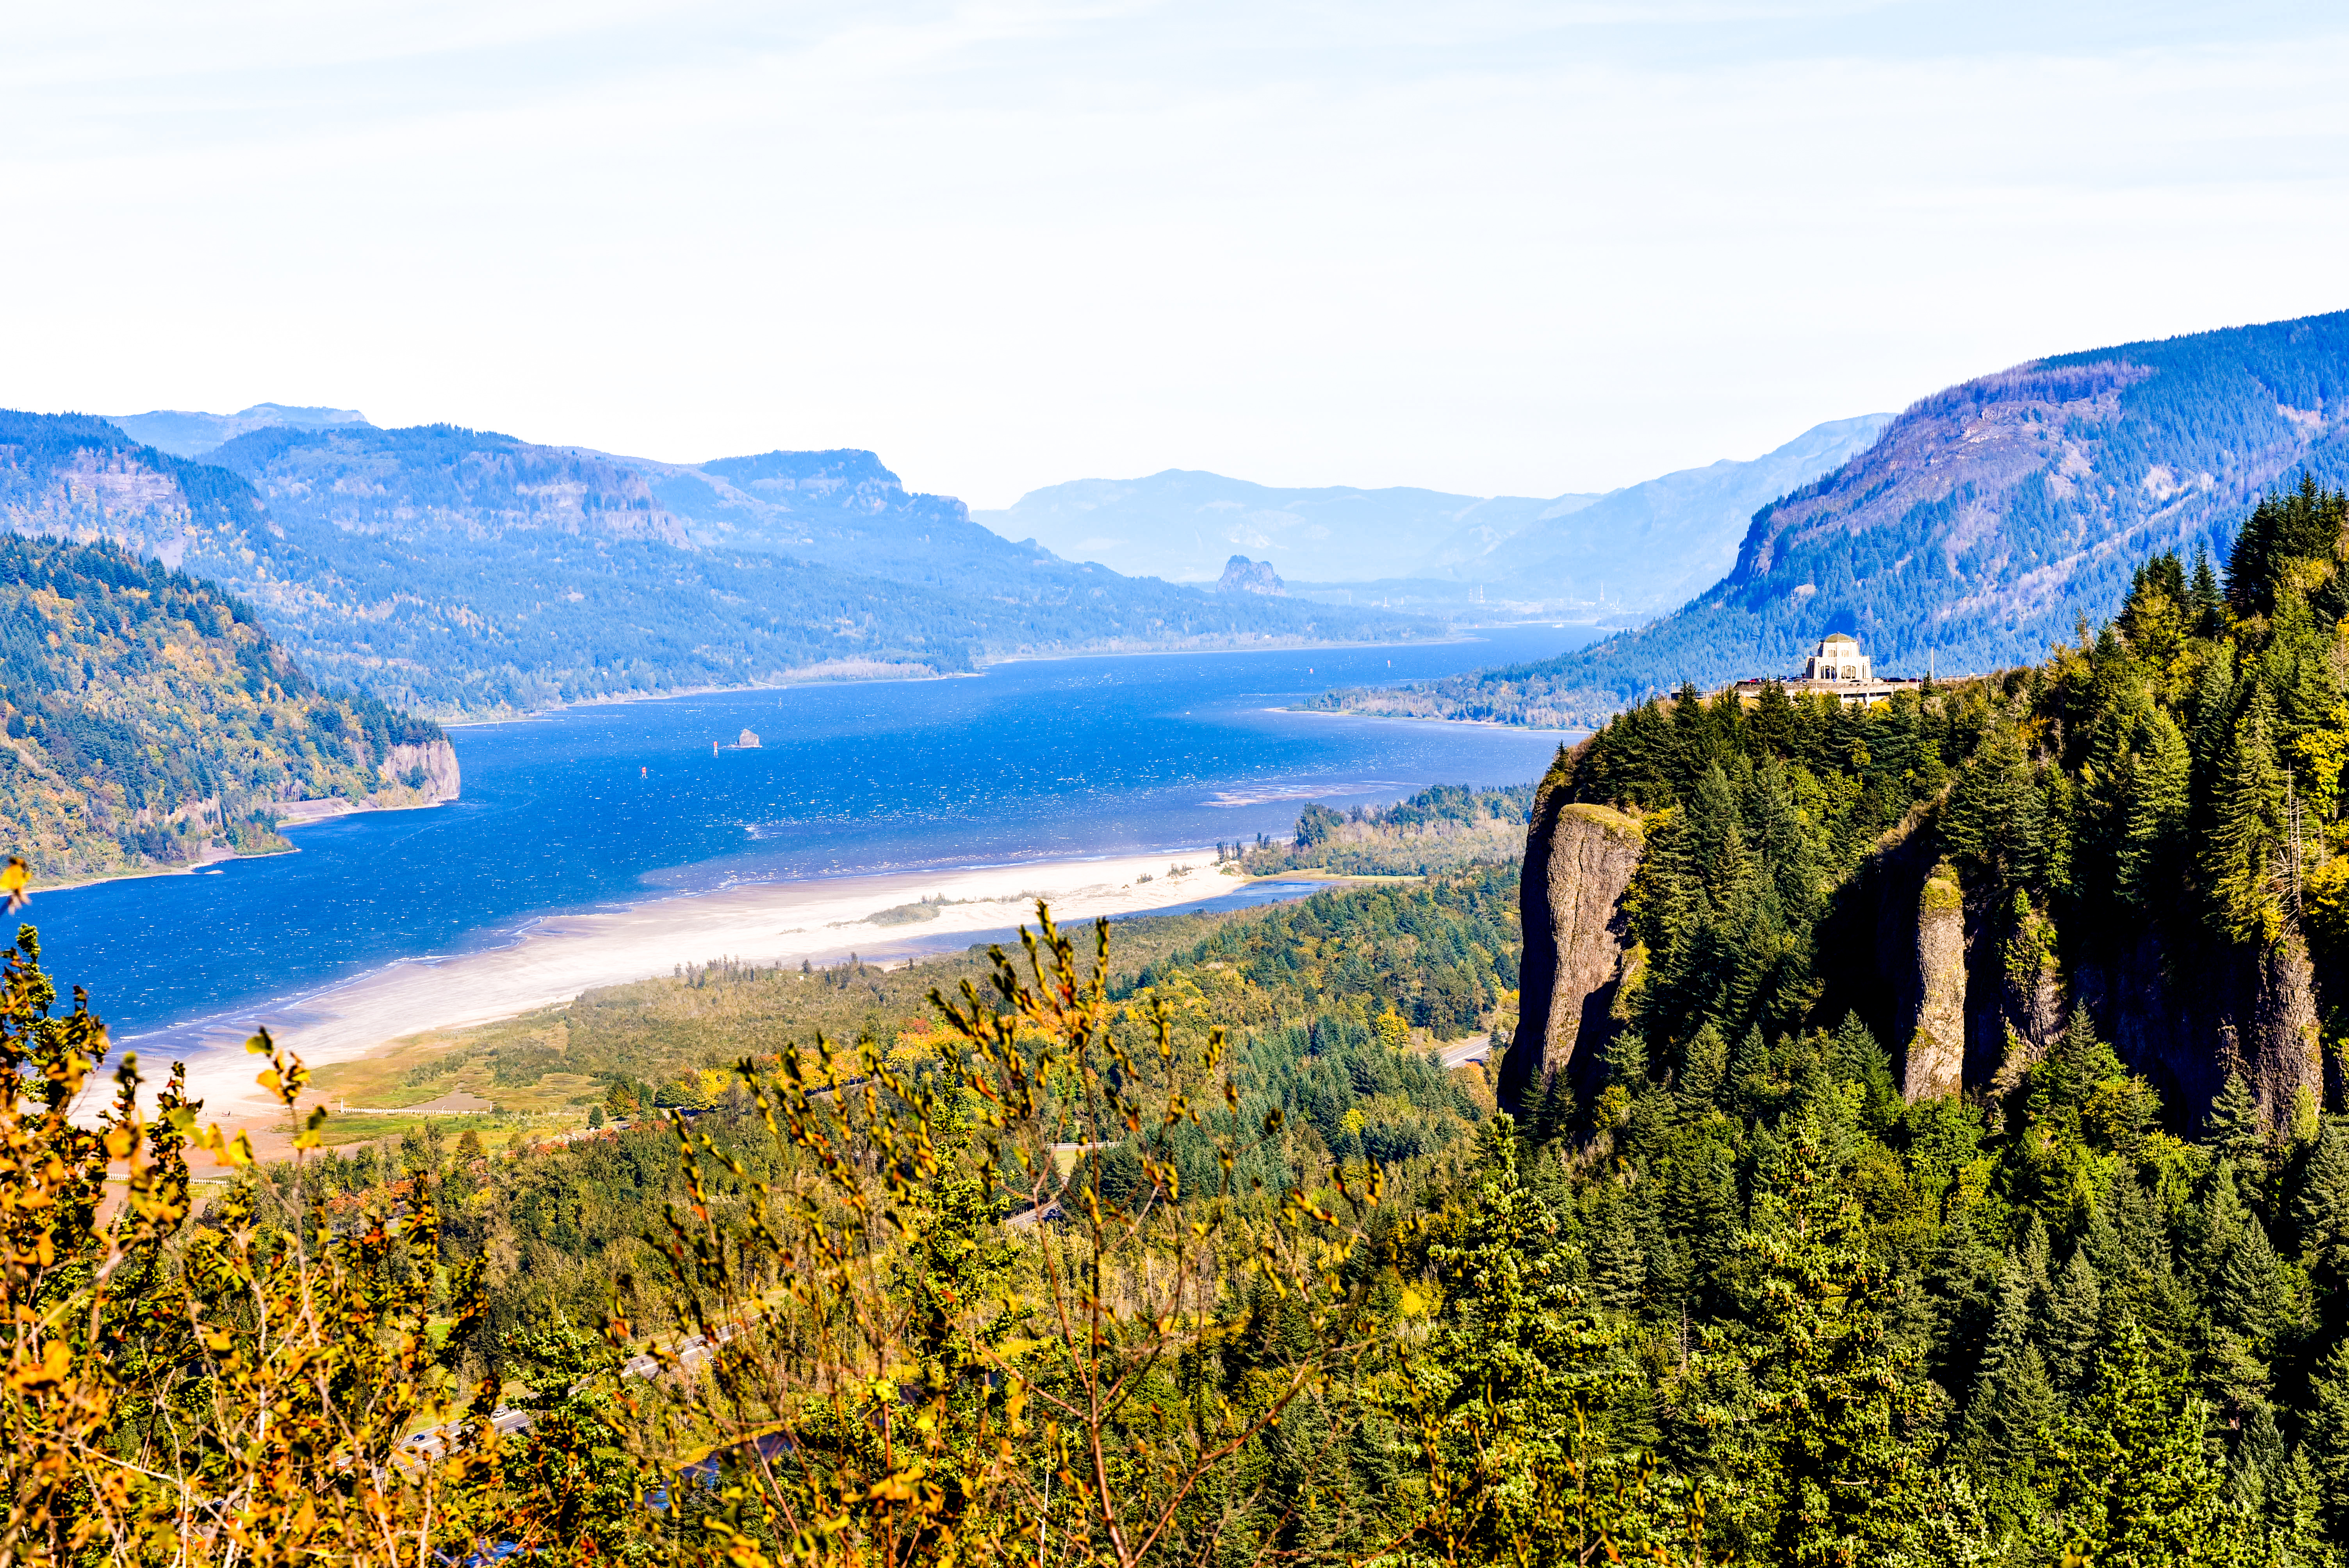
x: 1428, y: 719
x: 555, y: 958
x: 212, y: 858
x: 984, y: 666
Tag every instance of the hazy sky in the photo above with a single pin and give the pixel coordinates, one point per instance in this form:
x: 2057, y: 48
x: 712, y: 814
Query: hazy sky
x: 1479, y: 246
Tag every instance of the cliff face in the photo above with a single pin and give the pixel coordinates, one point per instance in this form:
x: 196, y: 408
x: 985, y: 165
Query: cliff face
x: 419, y: 774
x: 2188, y: 1012
x: 1579, y: 863
x: 1934, y: 1063
x: 1965, y: 994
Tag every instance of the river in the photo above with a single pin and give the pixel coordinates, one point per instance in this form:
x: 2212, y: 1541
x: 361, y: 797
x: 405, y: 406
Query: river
x: 606, y: 807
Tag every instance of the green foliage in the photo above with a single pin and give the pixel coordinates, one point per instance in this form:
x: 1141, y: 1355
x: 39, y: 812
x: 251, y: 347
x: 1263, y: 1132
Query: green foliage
x: 453, y: 570
x: 149, y: 720
x: 1441, y: 828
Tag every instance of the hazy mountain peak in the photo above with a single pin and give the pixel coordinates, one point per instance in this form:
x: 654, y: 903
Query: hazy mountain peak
x: 185, y: 433
x: 1645, y: 547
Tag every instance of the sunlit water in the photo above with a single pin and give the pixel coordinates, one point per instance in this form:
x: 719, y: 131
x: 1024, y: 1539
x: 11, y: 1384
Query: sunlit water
x: 603, y: 806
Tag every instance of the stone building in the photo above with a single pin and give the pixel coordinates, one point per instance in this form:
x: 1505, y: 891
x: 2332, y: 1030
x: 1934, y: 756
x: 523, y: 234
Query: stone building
x: 1838, y: 658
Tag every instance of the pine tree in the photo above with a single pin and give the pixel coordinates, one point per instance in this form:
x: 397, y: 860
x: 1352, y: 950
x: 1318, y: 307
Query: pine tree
x: 1822, y: 1422
x: 1626, y: 1056
x: 2159, y: 798
x: 2076, y: 1311
x: 1749, y: 1071
x: 2134, y: 1485
x: 2235, y: 1128
x: 2320, y: 1209
x: 2214, y: 714
x: 2239, y: 857
x: 2203, y: 598
x: 1554, y: 1112
x: 1705, y: 1063
x: 2326, y: 1446
x: 1784, y: 841
x: 1619, y: 1266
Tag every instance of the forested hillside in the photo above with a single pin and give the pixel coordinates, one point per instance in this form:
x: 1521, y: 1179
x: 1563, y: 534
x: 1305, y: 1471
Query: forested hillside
x: 461, y: 570
x: 1439, y: 829
x: 1987, y: 520
x: 150, y: 723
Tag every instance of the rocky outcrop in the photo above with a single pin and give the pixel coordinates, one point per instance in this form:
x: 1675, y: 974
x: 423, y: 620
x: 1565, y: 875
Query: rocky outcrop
x: 2286, y: 1059
x: 2187, y: 1011
x: 1242, y: 575
x: 425, y: 770
x: 1935, y: 1061
x: 1577, y: 951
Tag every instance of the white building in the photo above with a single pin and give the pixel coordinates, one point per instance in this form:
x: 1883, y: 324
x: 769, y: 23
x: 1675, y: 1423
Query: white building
x: 1838, y: 658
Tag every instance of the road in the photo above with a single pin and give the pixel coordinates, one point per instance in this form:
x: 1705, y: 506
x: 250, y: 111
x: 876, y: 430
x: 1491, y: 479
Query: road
x: 1460, y: 1053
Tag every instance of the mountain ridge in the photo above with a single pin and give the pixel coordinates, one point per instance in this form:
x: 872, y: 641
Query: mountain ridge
x: 467, y: 571
x: 1989, y: 520
x: 1651, y: 543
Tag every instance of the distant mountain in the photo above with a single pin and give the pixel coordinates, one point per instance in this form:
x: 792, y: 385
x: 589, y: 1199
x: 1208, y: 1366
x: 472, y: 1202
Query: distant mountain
x: 190, y: 435
x: 466, y: 572
x: 1636, y: 551
x: 1984, y: 524
x: 1654, y: 546
x: 150, y: 723
x: 1183, y: 524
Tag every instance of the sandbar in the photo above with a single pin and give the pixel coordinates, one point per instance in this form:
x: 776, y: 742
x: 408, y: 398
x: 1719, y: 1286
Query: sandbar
x: 555, y: 958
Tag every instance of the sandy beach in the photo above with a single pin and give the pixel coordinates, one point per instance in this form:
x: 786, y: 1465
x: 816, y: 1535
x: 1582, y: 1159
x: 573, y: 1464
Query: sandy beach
x: 557, y: 958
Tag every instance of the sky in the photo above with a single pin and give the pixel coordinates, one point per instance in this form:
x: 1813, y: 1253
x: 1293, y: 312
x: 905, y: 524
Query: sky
x: 1478, y: 246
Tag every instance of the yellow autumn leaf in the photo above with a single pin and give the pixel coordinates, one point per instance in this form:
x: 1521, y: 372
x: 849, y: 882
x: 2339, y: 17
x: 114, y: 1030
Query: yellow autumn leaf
x: 14, y: 879
x: 47, y: 1372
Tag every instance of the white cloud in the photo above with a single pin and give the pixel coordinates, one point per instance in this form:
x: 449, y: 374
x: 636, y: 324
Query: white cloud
x: 1483, y: 247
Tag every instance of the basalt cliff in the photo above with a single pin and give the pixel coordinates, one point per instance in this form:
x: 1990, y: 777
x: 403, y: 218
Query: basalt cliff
x: 2141, y: 840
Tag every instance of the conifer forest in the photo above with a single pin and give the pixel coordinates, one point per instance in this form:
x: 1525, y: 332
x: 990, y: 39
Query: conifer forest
x: 1224, y: 1241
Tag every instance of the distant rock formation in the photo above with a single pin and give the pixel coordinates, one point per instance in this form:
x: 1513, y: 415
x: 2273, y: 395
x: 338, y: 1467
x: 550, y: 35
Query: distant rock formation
x: 747, y: 742
x: 1242, y: 575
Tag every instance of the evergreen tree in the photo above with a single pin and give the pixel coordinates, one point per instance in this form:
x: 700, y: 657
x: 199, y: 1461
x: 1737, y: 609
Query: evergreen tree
x: 1749, y: 1071
x: 2239, y: 862
x: 2159, y: 799
x: 2321, y: 1209
x: 2326, y: 1447
x: 2235, y: 1128
x: 1823, y: 1418
x: 2207, y: 603
x: 2133, y: 1483
x: 2075, y: 1312
x: 1705, y: 1065
x: 2215, y: 705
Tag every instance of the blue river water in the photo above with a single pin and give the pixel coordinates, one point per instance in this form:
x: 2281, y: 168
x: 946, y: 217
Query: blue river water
x: 603, y: 806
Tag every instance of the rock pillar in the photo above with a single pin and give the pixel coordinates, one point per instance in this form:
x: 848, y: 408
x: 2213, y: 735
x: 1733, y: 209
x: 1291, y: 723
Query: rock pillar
x: 1934, y: 1063
x: 1578, y: 862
